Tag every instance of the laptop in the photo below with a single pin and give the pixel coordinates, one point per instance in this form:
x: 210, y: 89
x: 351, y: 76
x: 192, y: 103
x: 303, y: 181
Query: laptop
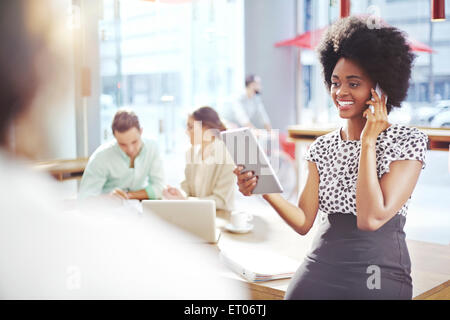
x: 195, y: 216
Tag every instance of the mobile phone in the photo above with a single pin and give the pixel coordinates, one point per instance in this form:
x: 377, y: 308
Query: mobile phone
x: 380, y: 92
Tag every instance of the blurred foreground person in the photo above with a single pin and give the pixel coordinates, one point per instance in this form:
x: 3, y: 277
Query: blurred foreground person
x: 47, y: 252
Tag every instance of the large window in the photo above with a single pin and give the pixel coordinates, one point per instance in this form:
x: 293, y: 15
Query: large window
x: 162, y: 60
x: 428, y: 101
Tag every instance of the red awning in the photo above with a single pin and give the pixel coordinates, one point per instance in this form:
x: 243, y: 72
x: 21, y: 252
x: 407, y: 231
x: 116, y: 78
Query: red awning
x: 310, y: 40
x: 307, y: 40
x: 419, y: 46
x: 170, y: 1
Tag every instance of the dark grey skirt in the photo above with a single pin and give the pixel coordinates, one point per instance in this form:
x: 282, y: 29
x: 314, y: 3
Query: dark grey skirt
x: 348, y: 263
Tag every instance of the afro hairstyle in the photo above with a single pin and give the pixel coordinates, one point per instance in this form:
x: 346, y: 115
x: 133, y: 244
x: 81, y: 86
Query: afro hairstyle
x: 382, y: 52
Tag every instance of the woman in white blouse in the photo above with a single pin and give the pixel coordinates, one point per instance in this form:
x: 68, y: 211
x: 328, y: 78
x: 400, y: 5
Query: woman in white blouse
x: 209, y: 167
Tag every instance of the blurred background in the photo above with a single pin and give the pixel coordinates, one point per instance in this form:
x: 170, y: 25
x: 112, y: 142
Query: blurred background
x: 164, y: 58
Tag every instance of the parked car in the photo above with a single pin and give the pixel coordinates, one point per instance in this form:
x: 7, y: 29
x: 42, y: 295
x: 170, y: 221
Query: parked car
x: 442, y: 119
x: 401, y: 115
x: 426, y: 114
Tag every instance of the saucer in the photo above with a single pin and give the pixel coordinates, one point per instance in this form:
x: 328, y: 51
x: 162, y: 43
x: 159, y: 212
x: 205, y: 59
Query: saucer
x: 247, y: 228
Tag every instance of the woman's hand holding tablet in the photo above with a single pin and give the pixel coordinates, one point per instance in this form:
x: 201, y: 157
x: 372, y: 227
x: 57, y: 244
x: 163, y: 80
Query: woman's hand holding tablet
x: 246, y: 180
x: 254, y: 171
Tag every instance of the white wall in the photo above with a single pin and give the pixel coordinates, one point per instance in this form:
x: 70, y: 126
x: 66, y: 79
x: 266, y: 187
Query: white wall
x: 61, y: 118
x: 268, y: 22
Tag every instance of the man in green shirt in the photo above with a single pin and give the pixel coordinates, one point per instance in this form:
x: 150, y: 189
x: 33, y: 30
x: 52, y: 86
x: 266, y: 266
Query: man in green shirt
x: 129, y: 167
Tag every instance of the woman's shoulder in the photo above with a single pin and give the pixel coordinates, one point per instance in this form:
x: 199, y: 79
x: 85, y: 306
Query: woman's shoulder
x: 400, y: 133
x: 321, y: 146
x: 400, y: 142
x: 327, y: 138
x: 324, y: 142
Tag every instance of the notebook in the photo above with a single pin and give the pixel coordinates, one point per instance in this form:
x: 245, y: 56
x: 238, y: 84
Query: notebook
x: 259, y: 266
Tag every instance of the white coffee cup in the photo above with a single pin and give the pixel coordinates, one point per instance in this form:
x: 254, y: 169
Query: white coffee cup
x: 240, y: 219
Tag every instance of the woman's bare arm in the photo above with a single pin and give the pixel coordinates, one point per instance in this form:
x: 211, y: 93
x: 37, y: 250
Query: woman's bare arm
x: 301, y: 217
x: 378, y: 200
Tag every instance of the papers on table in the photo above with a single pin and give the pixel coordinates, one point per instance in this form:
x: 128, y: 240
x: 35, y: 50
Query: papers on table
x: 133, y: 204
x: 258, y: 266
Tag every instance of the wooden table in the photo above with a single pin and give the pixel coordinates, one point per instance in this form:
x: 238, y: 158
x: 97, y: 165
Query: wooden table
x: 441, y: 292
x: 430, y: 261
x: 439, y: 139
x: 303, y: 136
x: 63, y: 169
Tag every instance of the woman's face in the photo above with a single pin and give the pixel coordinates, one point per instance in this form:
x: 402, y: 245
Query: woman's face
x: 197, y: 132
x: 190, y: 129
x: 350, y: 89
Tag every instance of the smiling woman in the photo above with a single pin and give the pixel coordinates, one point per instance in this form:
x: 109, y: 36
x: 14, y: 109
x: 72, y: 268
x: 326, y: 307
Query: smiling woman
x: 383, y: 54
x: 350, y: 88
x: 359, y: 251
x: 358, y: 168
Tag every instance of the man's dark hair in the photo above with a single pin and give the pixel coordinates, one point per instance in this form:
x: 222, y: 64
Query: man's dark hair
x: 124, y: 120
x: 383, y: 53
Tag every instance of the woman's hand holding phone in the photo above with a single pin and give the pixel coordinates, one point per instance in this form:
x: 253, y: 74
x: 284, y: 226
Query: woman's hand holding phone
x: 377, y: 121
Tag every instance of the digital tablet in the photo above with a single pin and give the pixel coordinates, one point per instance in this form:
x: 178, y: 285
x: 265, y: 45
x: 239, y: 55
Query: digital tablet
x: 245, y: 151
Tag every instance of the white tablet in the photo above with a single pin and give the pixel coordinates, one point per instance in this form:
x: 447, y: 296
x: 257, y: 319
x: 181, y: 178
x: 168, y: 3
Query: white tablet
x: 246, y: 152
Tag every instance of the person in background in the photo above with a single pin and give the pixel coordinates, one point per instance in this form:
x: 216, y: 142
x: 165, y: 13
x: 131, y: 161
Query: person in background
x: 249, y: 111
x: 129, y: 167
x: 209, y: 167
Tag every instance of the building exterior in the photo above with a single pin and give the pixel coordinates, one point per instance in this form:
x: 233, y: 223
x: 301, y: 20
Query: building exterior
x: 166, y: 59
